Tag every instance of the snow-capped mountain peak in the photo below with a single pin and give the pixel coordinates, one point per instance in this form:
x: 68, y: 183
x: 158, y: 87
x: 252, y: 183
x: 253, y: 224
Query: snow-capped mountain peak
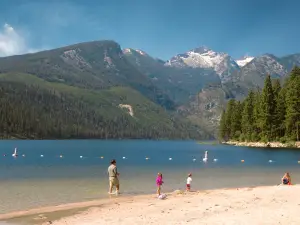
x: 244, y: 60
x: 204, y: 57
x: 130, y: 51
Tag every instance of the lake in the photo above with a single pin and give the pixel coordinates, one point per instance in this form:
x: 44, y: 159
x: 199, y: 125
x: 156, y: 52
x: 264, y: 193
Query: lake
x: 80, y: 173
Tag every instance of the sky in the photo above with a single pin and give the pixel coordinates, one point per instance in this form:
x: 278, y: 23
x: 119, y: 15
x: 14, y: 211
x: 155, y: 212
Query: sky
x: 162, y: 28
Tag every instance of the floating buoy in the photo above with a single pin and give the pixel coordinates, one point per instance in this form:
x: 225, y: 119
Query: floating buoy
x: 4, y: 155
x: 81, y: 156
x: 124, y: 157
x: 42, y: 156
x: 270, y: 161
x: 170, y: 158
x: 101, y: 157
x: 215, y: 160
x: 194, y: 160
x: 23, y: 155
x: 242, y: 160
x: 299, y: 162
x: 146, y: 158
x: 60, y: 156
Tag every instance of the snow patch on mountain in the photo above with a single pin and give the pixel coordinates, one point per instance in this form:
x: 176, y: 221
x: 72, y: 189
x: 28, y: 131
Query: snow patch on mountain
x: 130, y: 51
x: 204, y: 57
x: 266, y: 64
x: 243, y: 61
x: 127, y: 51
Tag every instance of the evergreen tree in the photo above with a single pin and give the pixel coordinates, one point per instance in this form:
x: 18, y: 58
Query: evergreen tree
x: 248, y: 117
x: 222, y: 128
x: 279, y: 111
x: 229, y: 113
x: 267, y: 109
x: 256, y: 116
x: 292, y: 120
x: 236, y: 120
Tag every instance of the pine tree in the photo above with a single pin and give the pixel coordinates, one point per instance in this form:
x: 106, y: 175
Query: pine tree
x: 279, y: 109
x: 229, y: 112
x: 222, y: 128
x: 293, y: 105
x: 267, y: 109
x: 247, y: 116
x: 236, y: 120
x: 256, y: 116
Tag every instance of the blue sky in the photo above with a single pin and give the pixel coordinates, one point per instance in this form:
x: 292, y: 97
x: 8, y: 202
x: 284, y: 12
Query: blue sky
x: 162, y: 28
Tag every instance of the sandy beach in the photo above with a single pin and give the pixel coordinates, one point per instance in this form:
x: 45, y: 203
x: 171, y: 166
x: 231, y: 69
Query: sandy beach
x: 260, y: 205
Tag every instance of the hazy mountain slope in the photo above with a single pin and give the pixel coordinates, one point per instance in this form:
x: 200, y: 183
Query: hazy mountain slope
x: 93, y: 65
x: 179, y: 83
x: 35, y: 108
x: 203, y: 57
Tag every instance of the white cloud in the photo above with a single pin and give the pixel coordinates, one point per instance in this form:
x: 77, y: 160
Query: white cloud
x: 12, y: 42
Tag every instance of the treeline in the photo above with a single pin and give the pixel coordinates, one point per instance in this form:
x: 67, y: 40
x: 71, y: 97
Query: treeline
x: 270, y: 114
x: 31, y: 112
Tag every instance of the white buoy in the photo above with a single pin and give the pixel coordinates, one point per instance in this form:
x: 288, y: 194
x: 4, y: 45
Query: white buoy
x: 146, y: 158
x: 60, y: 156
x: 15, y: 154
x: 23, y: 155
x: 101, y: 157
x: 81, y: 156
x: 170, y: 158
x: 194, y: 160
x: 42, y: 156
x: 205, y: 157
x: 215, y: 160
x: 124, y: 157
x: 270, y: 161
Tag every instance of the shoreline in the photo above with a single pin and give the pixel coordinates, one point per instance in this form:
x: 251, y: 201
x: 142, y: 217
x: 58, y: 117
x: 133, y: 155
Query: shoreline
x: 99, y: 202
x: 95, y: 209
x: 263, y: 144
x: 233, y: 205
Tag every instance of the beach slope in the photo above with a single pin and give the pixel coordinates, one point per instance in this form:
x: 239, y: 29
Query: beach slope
x: 261, y: 205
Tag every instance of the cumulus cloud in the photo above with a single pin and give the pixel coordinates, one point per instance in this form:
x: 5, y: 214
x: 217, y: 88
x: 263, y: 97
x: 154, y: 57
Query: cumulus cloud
x: 12, y: 42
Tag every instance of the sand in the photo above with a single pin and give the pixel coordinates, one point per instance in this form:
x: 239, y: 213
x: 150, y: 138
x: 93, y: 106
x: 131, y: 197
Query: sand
x: 260, y: 205
x: 242, y: 206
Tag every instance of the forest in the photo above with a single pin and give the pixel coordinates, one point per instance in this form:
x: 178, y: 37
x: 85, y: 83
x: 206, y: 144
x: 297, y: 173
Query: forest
x: 33, y: 112
x: 270, y: 114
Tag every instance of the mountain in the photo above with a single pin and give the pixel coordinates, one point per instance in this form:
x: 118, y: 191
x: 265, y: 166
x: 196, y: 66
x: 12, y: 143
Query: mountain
x: 290, y: 61
x: 97, y: 90
x: 93, y: 65
x: 205, y: 107
x: 179, y: 83
x: 244, y: 60
x: 85, y: 91
x: 203, y: 57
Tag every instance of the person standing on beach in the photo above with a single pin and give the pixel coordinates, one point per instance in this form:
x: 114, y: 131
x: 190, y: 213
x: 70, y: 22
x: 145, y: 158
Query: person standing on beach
x: 159, y: 182
x: 188, y: 182
x: 113, y: 177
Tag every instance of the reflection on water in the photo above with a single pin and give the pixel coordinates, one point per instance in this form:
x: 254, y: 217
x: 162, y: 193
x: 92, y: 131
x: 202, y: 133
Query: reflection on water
x: 33, y: 181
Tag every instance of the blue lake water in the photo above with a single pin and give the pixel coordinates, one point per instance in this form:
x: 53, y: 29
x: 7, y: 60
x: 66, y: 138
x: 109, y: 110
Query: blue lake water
x: 33, y: 181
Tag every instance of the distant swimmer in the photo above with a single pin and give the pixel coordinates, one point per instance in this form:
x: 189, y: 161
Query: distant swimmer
x: 113, y: 177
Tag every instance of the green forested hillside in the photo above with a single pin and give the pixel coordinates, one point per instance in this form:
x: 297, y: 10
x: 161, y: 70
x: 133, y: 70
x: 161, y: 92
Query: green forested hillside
x: 34, y: 108
x: 92, y: 65
x: 272, y: 114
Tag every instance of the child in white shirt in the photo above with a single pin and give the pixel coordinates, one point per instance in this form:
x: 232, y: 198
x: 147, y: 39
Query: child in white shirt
x: 188, y: 182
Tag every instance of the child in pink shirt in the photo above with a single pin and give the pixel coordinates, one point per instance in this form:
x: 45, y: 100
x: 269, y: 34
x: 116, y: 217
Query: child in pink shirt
x: 159, y: 182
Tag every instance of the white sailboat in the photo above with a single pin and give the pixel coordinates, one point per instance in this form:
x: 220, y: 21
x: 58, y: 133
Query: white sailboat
x: 15, y: 153
x: 205, y: 157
